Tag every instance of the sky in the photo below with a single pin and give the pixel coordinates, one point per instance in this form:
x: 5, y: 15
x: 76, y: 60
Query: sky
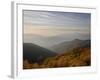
x: 53, y: 23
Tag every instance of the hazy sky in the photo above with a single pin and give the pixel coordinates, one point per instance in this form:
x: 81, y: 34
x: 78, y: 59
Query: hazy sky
x: 46, y: 28
x: 49, y: 23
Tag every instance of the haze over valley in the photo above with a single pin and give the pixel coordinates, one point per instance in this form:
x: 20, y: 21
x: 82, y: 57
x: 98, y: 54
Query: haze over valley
x: 54, y: 39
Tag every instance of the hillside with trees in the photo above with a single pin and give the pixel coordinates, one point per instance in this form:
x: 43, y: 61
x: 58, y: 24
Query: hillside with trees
x: 74, y: 58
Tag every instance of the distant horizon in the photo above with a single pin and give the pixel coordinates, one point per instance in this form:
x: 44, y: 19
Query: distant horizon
x: 54, y: 39
x: 51, y: 27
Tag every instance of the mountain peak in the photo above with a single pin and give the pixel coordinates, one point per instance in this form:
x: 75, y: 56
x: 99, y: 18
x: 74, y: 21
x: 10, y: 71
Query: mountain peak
x: 76, y: 39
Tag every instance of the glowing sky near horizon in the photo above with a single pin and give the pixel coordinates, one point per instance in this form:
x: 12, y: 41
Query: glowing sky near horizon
x: 50, y: 23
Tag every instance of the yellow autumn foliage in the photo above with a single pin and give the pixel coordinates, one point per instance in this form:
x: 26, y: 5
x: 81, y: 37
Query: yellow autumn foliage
x: 73, y: 58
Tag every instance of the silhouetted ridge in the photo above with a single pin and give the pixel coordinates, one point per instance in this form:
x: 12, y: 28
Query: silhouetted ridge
x: 34, y: 53
x: 69, y: 45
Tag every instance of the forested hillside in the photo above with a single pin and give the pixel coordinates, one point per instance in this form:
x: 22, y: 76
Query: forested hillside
x: 74, y: 58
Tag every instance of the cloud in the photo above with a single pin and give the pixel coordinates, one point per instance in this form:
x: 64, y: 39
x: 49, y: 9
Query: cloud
x: 59, y: 19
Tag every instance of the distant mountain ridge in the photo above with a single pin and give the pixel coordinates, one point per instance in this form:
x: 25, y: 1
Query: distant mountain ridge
x: 49, y: 41
x: 69, y: 45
